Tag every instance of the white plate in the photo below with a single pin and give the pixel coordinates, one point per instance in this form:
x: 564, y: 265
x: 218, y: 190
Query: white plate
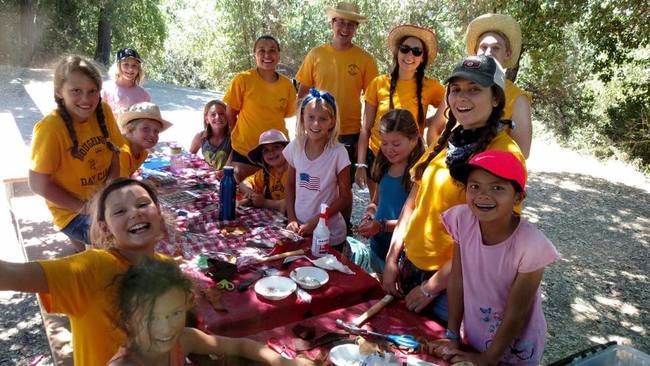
x: 275, y: 287
x: 346, y: 355
x: 309, y: 277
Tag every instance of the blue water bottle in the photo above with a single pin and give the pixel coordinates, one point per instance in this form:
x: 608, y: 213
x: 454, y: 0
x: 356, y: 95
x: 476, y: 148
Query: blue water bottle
x: 227, y: 192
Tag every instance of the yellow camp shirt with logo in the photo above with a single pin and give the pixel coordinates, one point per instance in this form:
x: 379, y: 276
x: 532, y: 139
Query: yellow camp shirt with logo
x: 261, y: 105
x: 426, y: 241
x: 404, y: 97
x: 52, y: 155
x: 130, y: 163
x: 344, y: 74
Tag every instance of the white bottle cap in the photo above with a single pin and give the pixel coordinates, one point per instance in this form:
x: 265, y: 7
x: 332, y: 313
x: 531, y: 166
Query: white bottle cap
x: 323, y: 208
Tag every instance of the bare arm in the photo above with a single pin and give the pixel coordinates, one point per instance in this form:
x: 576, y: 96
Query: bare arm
x: 436, y: 123
x: 369, y: 114
x: 523, y: 132
x: 290, y: 199
x: 455, y: 293
x: 231, y: 116
x: 195, y: 341
x: 303, y: 90
x: 389, y: 278
x: 23, y: 277
x: 42, y: 185
x: 196, y: 143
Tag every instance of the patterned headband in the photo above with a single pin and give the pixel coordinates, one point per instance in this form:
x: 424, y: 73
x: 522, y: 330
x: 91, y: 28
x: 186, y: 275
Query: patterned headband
x: 315, y: 94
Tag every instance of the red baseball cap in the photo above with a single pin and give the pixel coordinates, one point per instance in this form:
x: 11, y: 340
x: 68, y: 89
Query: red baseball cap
x: 503, y: 164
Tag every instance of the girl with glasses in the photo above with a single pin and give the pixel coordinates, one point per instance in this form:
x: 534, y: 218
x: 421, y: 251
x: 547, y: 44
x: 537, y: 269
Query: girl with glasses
x: 406, y: 87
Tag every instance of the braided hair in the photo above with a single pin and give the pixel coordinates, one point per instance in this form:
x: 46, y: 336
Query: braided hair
x: 67, y: 66
x: 419, y: 80
x: 398, y: 120
x: 488, y: 133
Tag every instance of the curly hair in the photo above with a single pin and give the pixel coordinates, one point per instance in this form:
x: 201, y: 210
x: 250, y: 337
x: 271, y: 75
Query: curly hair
x: 140, y: 286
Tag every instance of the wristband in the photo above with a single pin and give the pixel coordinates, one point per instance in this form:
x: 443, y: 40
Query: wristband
x: 449, y: 334
x: 361, y: 165
x: 424, y: 292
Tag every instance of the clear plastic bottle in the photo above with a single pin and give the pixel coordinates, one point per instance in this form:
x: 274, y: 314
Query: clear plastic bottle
x: 227, y: 194
x: 321, y: 237
x: 176, y: 159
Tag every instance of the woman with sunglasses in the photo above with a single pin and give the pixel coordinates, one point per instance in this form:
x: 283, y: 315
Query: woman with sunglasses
x: 406, y: 87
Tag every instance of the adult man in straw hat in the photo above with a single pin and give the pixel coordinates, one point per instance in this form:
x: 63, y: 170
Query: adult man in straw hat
x: 342, y: 69
x: 499, y: 36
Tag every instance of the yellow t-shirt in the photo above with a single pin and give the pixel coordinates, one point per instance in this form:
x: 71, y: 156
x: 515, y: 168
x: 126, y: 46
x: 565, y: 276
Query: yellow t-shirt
x: 404, y: 97
x: 277, y: 182
x: 52, y: 155
x: 80, y: 287
x: 342, y: 73
x: 261, y: 105
x: 129, y: 163
x: 426, y: 242
x: 512, y: 93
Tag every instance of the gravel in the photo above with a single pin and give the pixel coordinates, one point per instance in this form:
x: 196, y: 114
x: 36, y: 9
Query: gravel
x: 596, y: 213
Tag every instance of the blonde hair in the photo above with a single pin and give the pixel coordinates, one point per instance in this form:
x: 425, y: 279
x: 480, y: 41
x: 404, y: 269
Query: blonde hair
x: 115, y: 71
x: 326, y: 101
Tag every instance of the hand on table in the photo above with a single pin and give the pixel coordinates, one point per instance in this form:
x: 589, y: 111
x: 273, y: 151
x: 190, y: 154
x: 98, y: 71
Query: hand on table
x: 293, y: 226
x: 307, y: 228
x: 443, y: 348
x: 416, y: 300
x: 257, y: 199
x: 389, y: 279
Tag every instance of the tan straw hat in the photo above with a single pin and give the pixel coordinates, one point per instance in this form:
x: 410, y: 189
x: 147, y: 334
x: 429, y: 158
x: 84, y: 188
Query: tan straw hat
x: 267, y: 137
x: 495, y: 22
x: 427, y: 36
x: 345, y: 10
x: 143, y: 110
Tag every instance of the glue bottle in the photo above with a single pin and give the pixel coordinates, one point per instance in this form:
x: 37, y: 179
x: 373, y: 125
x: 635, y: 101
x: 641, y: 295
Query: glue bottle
x: 321, y: 237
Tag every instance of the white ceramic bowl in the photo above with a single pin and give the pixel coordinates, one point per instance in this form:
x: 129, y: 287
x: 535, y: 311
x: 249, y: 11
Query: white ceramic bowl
x: 346, y: 355
x: 275, y: 287
x: 309, y: 277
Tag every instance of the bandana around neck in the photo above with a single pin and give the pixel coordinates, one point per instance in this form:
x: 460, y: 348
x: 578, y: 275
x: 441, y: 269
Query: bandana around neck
x: 462, y: 144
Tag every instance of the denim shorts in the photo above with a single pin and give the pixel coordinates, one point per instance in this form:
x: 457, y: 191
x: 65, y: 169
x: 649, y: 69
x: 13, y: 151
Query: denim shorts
x: 410, y: 277
x: 78, y: 229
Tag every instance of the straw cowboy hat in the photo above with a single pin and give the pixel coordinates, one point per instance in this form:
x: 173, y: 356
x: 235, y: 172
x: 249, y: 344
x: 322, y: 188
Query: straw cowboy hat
x: 267, y: 137
x: 345, y: 10
x: 427, y: 36
x: 495, y: 22
x: 143, y: 110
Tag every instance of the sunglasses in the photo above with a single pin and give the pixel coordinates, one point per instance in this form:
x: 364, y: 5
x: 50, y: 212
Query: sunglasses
x: 417, y: 51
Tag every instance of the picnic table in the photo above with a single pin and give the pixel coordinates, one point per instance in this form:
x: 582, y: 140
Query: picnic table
x: 193, y: 201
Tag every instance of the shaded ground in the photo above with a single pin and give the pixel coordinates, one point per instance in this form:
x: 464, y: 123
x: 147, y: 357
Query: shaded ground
x: 596, y: 213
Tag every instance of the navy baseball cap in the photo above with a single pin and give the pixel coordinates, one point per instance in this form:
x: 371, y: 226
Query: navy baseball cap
x: 126, y: 53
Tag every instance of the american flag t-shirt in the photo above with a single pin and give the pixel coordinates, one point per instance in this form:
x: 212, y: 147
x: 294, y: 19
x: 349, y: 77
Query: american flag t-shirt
x: 309, y: 182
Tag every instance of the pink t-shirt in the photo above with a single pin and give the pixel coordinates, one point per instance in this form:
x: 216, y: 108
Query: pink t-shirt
x: 317, y: 182
x: 121, y: 98
x: 488, y: 274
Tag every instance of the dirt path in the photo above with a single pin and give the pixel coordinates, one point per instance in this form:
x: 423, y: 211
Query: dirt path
x: 596, y: 213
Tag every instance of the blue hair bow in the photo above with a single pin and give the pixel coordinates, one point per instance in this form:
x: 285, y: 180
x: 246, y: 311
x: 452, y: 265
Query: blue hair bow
x: 315, y: 94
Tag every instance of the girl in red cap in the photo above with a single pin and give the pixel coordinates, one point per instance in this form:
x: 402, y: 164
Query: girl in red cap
x: 497, y: 267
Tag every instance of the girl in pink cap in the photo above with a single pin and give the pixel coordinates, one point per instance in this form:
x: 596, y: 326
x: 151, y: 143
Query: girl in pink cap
x: 497, y: 267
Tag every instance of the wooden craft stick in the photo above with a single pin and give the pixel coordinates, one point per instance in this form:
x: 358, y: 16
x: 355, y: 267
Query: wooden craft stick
x: 282, y: 255
x: 373, y: 310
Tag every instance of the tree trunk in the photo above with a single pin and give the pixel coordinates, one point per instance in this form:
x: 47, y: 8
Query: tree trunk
x: 28, y: 31
x: 103, y: 50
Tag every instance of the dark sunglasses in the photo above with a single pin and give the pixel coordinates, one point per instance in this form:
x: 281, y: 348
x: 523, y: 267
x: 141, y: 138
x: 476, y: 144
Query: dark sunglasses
x: 417, y: 51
